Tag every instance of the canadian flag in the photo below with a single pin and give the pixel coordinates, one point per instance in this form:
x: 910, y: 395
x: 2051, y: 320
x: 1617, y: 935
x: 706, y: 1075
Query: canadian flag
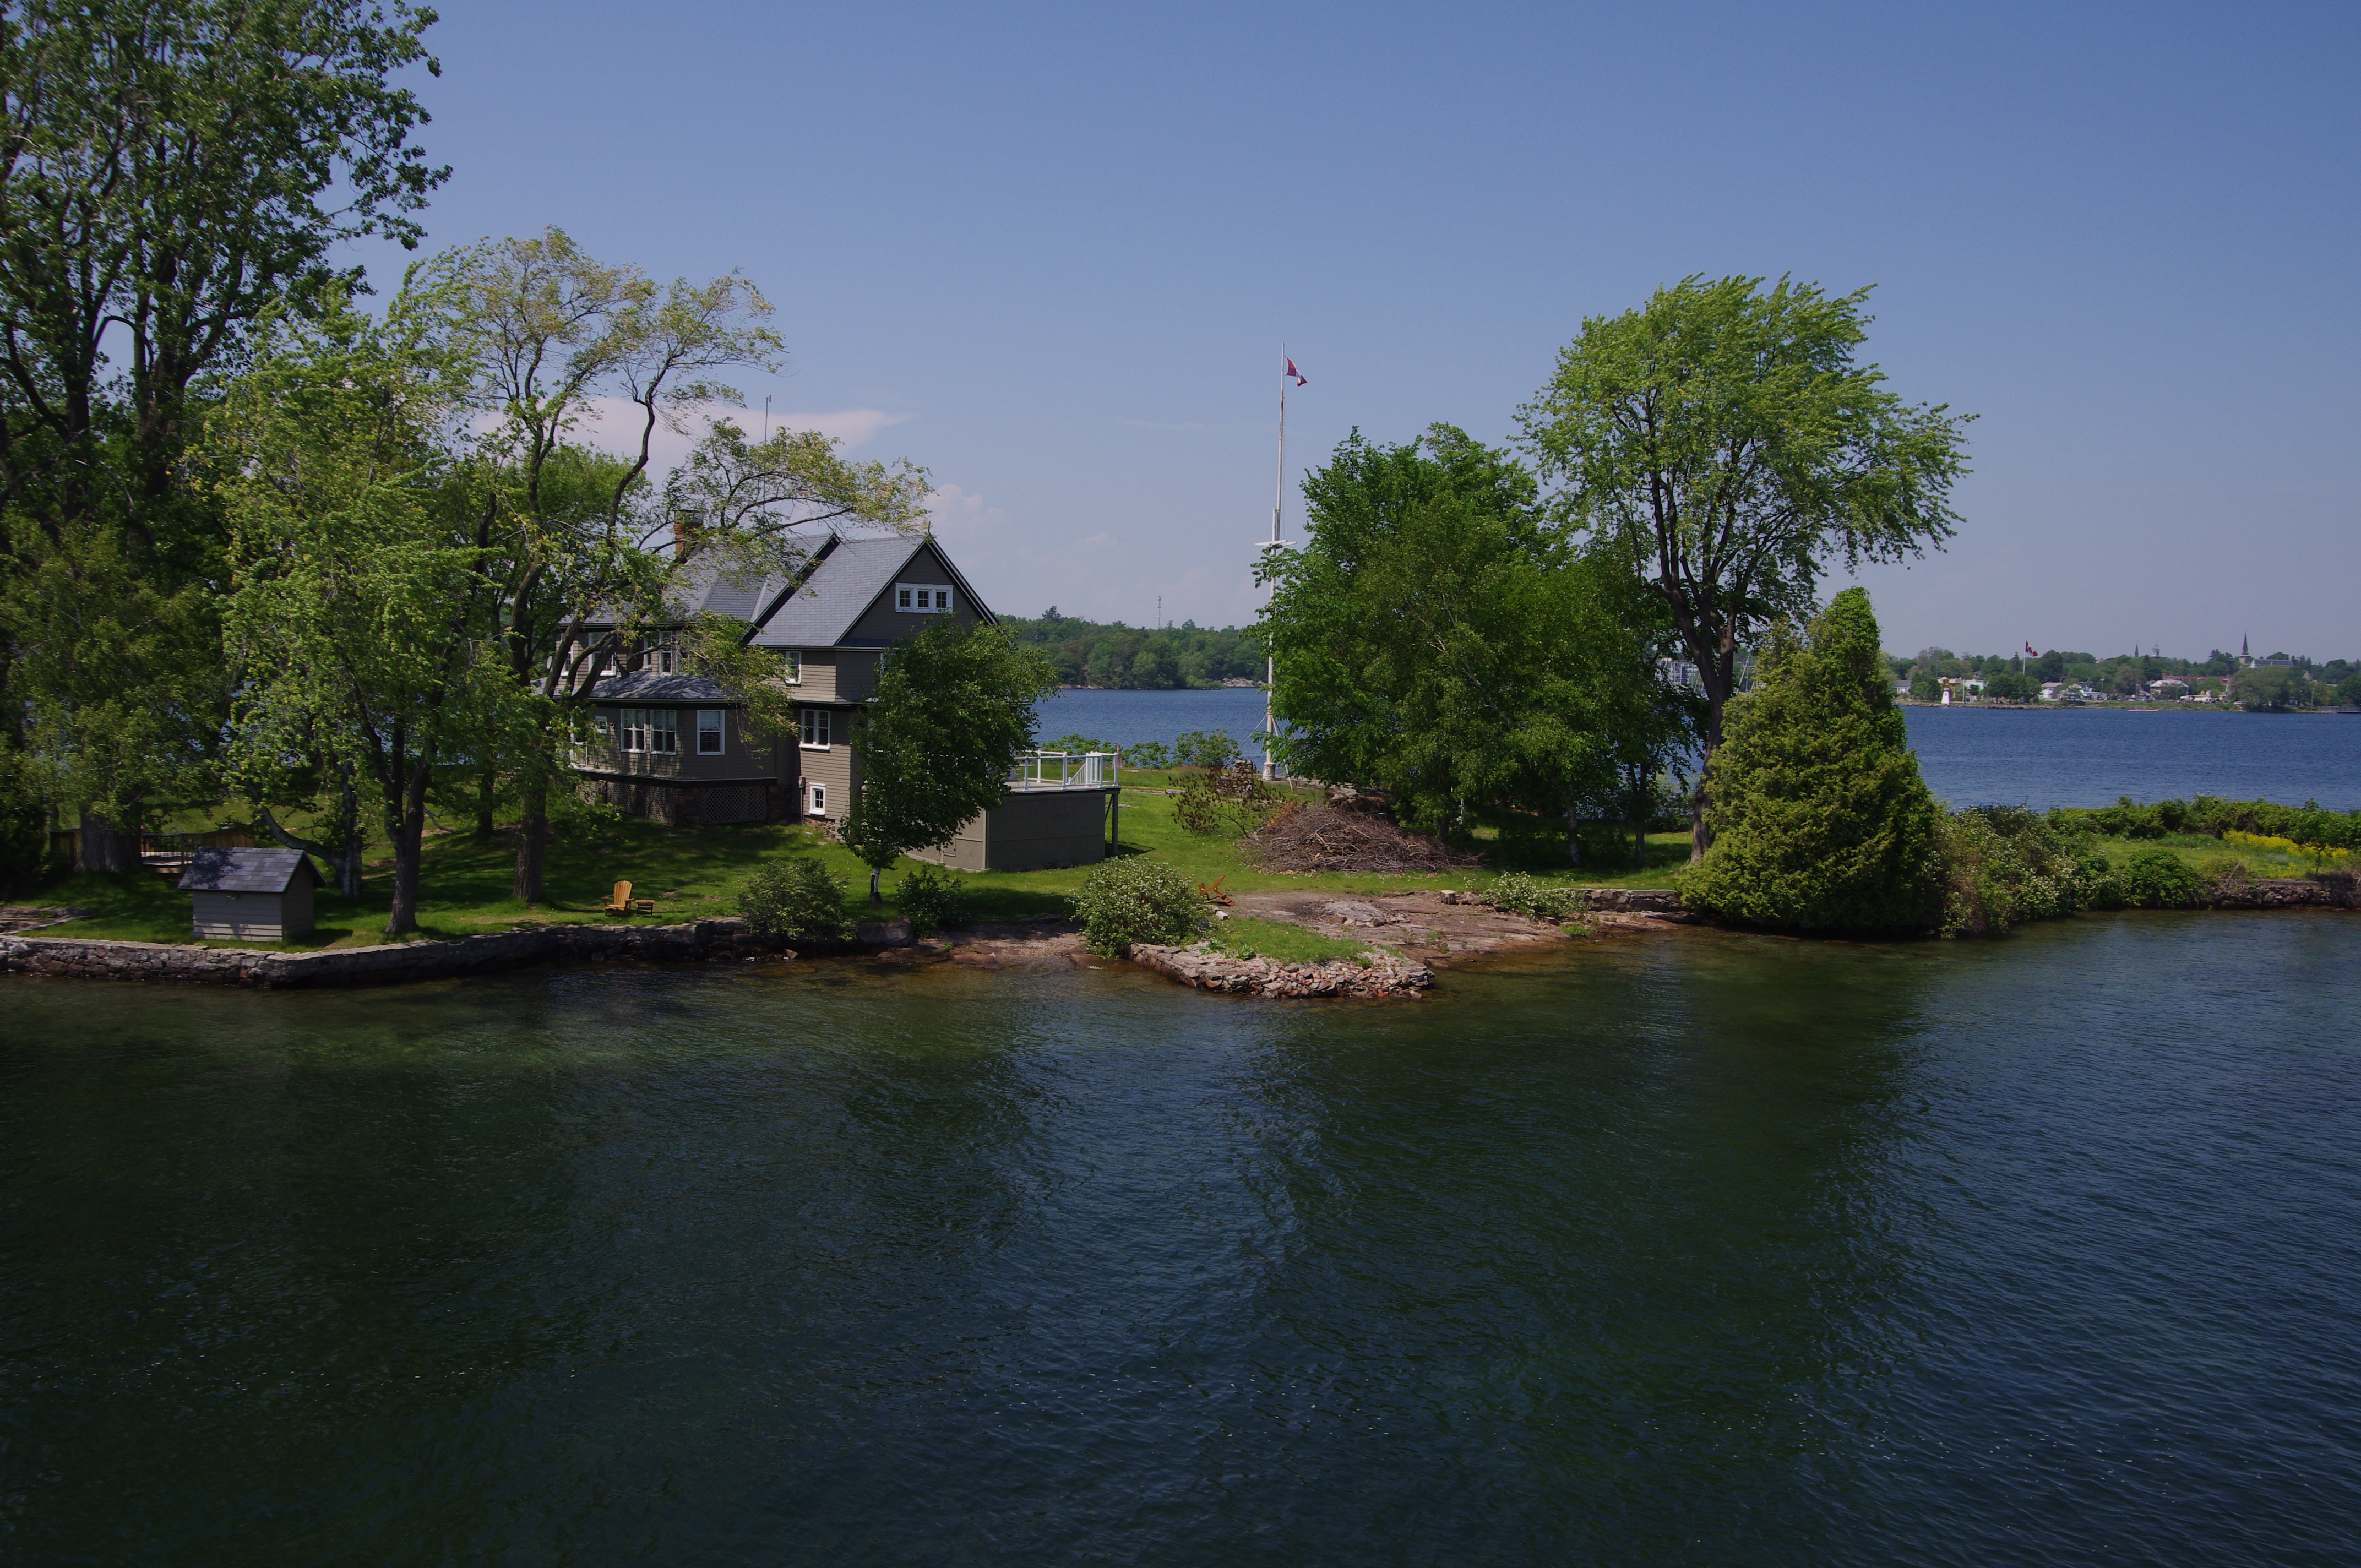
x: 1300, y: 380
x: 2029, y: 653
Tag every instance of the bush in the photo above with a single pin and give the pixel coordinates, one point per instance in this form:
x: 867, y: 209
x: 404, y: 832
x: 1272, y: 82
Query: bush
x: 1075, y: 745
x: 2096, y: 885
x: 2002, y: 866
x: 1820, y: 820
x: 932, y: 898
x: 796, y: 898
x: 1137, y: 900
x: 2158, y: 878
x: 1196, y: 749
x: 1147, y: 754
x: 1197, y: 808
x: 1517, y: 894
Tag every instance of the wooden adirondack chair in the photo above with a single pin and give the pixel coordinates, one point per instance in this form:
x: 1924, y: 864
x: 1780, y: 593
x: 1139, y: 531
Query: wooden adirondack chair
x: 624, y: 903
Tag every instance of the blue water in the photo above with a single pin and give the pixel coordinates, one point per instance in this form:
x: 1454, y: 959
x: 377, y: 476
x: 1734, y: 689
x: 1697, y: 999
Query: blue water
x: 1686, y: 1247
x: 1970, y: 756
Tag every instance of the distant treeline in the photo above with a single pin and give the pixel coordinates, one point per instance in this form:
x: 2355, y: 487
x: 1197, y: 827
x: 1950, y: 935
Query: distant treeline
x: 1133, y: 658
x: 2337, y: 680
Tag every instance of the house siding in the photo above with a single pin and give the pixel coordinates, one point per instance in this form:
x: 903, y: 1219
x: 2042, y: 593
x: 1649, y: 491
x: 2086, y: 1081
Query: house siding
x: 1028, y: 830
x: 833, y: 768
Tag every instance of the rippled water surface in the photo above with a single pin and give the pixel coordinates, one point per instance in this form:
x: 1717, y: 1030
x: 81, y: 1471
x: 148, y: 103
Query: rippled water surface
x: 1689, y: 1248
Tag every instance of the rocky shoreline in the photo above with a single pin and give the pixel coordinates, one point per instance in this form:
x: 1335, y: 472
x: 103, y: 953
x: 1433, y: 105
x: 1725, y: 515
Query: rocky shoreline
x: 1386, y: 977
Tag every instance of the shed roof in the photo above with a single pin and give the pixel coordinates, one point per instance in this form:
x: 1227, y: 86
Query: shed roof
x: 246, y: 871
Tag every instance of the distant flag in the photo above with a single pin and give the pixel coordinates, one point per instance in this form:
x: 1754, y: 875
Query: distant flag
x: 1300, y: 380
x: 2029, y: 653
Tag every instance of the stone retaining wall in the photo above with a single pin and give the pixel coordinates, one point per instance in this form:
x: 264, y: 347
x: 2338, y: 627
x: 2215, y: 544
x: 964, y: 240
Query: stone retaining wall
x: 2335, y: 890
x: 396, y: 962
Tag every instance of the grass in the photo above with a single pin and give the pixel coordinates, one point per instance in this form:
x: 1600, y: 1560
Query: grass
x: 1245, y: 937
x: 693, y: 871
x: 2211, y: 856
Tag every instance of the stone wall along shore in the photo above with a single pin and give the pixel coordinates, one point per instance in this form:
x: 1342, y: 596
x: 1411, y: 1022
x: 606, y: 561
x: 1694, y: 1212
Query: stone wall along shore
x: 393, y: 963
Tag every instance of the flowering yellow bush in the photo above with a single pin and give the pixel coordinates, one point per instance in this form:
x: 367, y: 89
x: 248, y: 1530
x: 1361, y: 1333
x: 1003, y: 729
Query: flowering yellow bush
x: 2288, y: 846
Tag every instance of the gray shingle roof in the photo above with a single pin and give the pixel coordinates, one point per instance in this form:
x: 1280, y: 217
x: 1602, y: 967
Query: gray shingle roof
x: 647, y: 686
x: 846, y: 582
x: 245, y: 870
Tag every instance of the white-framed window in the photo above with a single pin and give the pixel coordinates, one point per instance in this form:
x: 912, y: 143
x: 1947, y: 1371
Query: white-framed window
x: 655, y: 731
x: 815, y: 728
x: 817, y: 796
x: 922, y: 599
x: 708, y: 731
x: 795, y: 667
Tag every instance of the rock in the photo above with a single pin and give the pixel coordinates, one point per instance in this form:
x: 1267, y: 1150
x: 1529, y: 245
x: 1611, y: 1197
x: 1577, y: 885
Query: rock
x: 882, y: 934
x: 1389, y: 977
x: 1355, y: 912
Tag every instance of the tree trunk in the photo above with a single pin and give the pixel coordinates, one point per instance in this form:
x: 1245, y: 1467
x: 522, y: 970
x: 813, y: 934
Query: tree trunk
x: 105, y: 847
x: 1639, y: 843
x: 405, y: 823
x: 488, y: 785
x: 1573, y: 840
x: 1716, y: 693
x: 533, y: 837
x: 875, y: 896
x: 348, y: 818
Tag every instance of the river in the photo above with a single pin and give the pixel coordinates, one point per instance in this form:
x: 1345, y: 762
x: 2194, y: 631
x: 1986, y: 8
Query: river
x: 1693, y: 1247
x: 1969, y: 755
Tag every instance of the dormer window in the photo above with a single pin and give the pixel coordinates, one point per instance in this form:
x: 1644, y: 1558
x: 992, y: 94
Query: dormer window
x: 922, y: 599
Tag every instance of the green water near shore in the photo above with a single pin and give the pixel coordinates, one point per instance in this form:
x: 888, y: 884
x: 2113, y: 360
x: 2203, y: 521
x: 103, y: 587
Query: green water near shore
x: 1698, y: 1247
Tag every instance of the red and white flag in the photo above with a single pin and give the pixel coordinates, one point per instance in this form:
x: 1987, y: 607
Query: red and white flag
x: 1300, y: 380
x: 2029, y: 653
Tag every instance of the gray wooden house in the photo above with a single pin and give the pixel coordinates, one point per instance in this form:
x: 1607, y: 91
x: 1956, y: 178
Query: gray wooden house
x: 250, y: 895
x: 666, y: 742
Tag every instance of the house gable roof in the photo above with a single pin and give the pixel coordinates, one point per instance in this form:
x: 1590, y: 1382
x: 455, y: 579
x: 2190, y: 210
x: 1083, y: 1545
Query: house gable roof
x: 246, y: 871
x: 847, y: 575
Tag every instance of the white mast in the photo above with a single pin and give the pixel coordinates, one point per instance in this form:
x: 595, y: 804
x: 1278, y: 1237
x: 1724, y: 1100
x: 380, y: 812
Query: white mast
x: 1278, y: 495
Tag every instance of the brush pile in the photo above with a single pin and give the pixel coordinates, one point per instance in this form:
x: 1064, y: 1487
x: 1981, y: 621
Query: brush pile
x: 1326, y: 839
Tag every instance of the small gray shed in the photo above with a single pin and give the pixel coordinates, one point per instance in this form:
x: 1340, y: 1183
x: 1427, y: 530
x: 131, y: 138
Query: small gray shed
x: 250, y: 895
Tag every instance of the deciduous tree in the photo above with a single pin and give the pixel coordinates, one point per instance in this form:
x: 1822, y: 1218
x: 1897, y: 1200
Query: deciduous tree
x: 951, y: 713
x: 1727, y: 434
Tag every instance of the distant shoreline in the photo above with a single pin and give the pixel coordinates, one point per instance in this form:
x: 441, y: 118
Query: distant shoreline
x: 2127, y: 708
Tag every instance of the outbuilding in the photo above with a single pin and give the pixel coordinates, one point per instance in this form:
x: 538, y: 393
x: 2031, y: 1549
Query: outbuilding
x: 250, y: 895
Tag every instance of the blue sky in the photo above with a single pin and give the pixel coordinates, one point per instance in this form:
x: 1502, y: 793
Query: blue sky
x: 1050, y: 253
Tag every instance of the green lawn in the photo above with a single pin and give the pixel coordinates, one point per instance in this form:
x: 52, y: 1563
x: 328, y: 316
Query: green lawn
x: 693, y: 871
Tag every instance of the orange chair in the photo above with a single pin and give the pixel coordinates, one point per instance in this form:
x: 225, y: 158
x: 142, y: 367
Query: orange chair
x: 623, y: 903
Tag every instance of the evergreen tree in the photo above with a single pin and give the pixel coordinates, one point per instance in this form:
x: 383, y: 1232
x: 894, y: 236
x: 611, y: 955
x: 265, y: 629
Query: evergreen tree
x: 1820, y: 821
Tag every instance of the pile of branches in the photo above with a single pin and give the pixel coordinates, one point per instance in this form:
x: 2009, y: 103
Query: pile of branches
x: 1301, y: 838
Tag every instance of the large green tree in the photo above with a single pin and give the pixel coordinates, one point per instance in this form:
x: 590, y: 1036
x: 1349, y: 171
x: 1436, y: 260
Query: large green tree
x: 951, y: 713
x: 363, y: 625
x: 170, y: 171
x: 1728, y: 434
x: 1434, y: 639
x: 1820, y: 820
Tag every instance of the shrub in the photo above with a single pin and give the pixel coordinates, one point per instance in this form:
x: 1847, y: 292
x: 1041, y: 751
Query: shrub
x: 1820, y: 820
x: 2096, y: 885
x: 2158, y: 878
x: 1197, y: 749
x: 2225, y: 868
x: 2002, y: 865
x: 1517, y: 894
x: 796, y: 898
x: 1137, y: 900
x: 1147, y: 754
x: 1197, y: 808
x: 1075, y: 744
x: 932, y: 898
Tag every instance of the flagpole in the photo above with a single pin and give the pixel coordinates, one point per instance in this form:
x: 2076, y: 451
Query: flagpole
x: 1278, y: 495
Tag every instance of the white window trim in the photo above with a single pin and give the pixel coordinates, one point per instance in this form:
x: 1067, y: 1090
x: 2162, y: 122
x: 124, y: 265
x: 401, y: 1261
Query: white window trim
x: 826, y: 727
x: 932, y: 598
x: 815, y: 797
x: 795, y: 662
x: 719, y: 729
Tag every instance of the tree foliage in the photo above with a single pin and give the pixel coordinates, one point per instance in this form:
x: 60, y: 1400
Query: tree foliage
x: 170, y: 173
x: 1820, y: 821
x: 950, y: 714
x: 1434, y: 639
x: 1726, y: 435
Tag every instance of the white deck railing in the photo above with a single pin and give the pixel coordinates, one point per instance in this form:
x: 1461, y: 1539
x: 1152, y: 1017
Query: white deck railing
x: 1066, y: 770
